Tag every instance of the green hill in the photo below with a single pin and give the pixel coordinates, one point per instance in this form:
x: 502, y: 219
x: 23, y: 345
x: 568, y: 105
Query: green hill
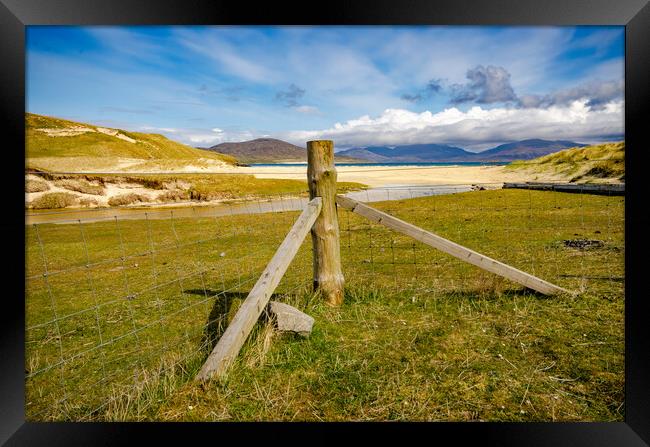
x: 598, y: 163
x: 48, y: 137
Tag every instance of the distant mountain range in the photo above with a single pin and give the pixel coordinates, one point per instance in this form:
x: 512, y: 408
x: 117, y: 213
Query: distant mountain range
x: 268, y: 150
x: 271, y: 150
x: 519, y: 150
x: 408, y: 153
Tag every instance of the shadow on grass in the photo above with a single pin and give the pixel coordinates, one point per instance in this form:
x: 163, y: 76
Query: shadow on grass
x: 218, y: 318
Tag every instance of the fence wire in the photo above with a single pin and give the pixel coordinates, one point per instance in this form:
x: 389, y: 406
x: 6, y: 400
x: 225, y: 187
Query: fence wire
x: 575, y: 241
x: 115, y: 296
x: 109, y: 299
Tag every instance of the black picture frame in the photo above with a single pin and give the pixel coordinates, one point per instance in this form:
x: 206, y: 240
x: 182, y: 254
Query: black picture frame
x: 634, y: 14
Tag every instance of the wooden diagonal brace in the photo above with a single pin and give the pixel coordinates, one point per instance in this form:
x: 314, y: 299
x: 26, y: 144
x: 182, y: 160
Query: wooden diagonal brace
x: 230, y: 343
x: 449, y: 247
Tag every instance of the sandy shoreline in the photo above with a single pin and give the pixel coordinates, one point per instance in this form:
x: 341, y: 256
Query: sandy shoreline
x: 383, y: 176
x: 373, y: 176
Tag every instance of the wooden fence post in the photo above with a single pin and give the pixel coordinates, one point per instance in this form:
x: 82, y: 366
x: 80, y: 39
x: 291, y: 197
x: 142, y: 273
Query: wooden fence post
x: 321, y: 176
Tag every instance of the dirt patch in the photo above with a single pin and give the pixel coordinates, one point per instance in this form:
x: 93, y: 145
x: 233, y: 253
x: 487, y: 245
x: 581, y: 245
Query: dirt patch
x: 583, y: 244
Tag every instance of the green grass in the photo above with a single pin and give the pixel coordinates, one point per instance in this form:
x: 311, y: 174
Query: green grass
x: 421, y: 335
x: 99, y: 145
x: 587, y: 164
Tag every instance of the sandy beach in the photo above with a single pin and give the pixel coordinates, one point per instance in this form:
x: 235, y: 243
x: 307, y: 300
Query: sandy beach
x: 373, y: 176
x: 382, y: 176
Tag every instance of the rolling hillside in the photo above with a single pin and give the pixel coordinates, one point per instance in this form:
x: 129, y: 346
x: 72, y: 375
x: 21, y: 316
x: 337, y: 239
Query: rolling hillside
x: 262, y: 150
x: 48, y: 139
x: 525, y: 150
x: 599, y: 163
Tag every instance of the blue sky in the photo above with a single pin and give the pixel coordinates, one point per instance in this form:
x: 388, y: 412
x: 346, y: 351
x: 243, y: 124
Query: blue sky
x: 365, y: 85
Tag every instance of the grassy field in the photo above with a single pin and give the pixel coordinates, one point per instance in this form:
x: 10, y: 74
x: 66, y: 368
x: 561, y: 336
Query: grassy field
x: 128, y: 311
x: 604, y: 162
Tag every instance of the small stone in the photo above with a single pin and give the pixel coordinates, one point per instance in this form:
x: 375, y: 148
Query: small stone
x: 290, y: 319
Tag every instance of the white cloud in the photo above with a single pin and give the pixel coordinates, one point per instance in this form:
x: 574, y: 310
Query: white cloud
x: 473, y: 127
x: 447, y: 52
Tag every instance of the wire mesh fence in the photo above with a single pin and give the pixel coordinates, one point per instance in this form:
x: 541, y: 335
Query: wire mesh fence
x: 575, y: 241
x: 112, y: 295
x: 108, y: 298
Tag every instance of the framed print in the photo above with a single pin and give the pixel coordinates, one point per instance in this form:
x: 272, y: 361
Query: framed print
x: 427, y: 213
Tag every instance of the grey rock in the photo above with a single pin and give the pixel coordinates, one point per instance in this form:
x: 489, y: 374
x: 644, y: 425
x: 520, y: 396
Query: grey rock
x: 290, y: 319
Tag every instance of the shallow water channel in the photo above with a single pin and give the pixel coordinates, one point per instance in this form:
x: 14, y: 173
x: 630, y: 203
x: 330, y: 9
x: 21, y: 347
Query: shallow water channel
x: 262, y: 205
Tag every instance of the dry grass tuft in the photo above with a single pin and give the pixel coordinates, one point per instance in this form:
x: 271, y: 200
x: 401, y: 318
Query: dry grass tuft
x: 173, y: 196
x: 127, y: 199
x: 82, y: 186
x: 256, y: 355
x: 88, y: 202
x: 36, y: 186
x: 153, y: 386
x: 54, y: 200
